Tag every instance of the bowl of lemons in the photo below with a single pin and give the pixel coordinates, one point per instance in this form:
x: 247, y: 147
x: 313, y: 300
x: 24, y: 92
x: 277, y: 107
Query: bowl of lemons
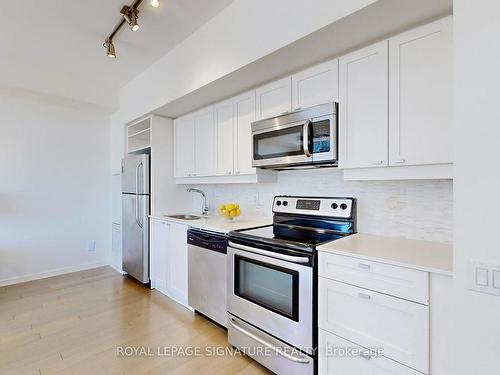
x: 230, y: 211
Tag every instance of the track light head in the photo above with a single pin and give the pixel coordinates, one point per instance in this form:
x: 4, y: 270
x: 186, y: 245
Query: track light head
x: 131, y: 15
x: 155, y: 3
x: 110, y: 49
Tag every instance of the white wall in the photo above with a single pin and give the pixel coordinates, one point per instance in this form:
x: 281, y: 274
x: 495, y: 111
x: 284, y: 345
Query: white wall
x: 242, y: 33
x: 477, y: 184
x: 54, y: 188
x: 410, y: 209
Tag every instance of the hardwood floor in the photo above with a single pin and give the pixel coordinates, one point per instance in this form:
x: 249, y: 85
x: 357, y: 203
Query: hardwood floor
x: 74, y: 324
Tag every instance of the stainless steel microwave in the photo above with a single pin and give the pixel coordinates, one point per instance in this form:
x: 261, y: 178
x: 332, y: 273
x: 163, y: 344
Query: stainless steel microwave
x: 301, y: 139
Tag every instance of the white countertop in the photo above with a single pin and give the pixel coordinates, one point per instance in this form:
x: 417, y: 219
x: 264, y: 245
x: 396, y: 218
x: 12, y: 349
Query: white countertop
x: 216, y: 223
x: 421, y: 255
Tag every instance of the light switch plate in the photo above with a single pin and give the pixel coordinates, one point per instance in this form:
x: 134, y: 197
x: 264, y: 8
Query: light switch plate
x: 484, y: 277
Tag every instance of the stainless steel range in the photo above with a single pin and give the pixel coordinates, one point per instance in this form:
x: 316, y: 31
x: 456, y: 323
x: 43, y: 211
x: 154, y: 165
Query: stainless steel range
x: 272, y: 276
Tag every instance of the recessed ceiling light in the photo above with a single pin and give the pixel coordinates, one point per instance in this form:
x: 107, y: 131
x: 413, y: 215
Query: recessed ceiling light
x: 155, y: 3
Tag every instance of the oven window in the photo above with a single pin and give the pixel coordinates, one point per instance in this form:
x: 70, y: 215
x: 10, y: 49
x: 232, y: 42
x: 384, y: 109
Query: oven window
x: 272, y: 287
x: 278, y: 143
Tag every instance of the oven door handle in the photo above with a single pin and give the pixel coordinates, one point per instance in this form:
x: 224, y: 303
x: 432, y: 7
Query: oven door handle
x: 277, y: 349
x: 288, y: 258
x: 305, y: 138
x: 315, y: 230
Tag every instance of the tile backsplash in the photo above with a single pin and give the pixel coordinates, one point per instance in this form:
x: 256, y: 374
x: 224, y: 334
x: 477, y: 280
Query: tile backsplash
x: 416, y: 209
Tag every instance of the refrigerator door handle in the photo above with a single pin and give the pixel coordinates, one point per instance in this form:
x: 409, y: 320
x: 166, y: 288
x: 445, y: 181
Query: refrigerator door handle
x: 137, y: 195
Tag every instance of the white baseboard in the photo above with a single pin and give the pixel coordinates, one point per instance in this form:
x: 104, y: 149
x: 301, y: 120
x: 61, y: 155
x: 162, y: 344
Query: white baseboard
x: 43, y: 275
x: 117, y: 269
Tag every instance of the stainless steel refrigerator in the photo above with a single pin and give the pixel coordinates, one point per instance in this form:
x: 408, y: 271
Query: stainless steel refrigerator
x: 135, y: 212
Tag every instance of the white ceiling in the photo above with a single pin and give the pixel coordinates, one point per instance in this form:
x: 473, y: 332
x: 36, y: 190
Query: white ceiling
x: 55, y: 46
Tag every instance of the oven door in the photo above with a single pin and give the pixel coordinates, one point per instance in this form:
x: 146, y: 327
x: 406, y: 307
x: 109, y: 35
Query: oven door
x: 281, y: 145
x: 275, y: 295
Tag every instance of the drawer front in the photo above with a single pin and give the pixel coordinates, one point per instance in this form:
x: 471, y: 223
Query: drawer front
x: 375, y: 320
x: 396, y: 281
x: 339, y: 356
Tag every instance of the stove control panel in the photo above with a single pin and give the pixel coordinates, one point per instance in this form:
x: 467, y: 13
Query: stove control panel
x: 329, y: 207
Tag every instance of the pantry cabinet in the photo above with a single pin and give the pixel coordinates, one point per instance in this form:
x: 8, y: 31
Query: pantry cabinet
x: 316, y: 85
x: 168, y: 259
x: 274, y: 99
x: 420, y: 95
x: 363, y: 116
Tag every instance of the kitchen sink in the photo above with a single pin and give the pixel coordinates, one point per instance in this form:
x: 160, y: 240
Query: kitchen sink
x: 184, y: 217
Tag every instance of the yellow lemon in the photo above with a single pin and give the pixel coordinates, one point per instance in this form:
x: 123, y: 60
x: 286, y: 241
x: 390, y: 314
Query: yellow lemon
x: 222, y: 207
x: 238, y: 212
x: 230, y: 206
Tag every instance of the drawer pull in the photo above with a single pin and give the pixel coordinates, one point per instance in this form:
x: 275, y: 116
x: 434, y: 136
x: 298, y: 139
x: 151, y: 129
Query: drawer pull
x: 364, y: 266
x: 364, y: 296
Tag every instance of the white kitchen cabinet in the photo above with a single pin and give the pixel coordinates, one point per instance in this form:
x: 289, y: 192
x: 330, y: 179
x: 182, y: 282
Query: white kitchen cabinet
x: 363, y: 101
x: 335, y: 359
x: 158, y: 254
x: 184, y: 146
x: 168, y: 259
x: 204, y: 142
x: 376, y: 320
x: 177, y: 263
x: 274, y: 99
x: 244, y: 115
x: 316, y: 85
x: 224, y: 127
x: 420, y: 95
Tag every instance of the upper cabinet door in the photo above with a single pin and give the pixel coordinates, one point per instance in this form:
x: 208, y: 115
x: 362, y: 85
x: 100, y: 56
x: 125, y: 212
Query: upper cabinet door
x: 224, y: 122
x: 316, y: 85
x: 184, y: 146
x: 274, y: 99
x: 244, y: 115
x: 420, y: 95
x: 204, y: 142
x: 363, y: 112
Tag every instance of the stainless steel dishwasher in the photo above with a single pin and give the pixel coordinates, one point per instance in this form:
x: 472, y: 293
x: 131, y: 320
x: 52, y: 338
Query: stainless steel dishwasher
x: 207, y: 274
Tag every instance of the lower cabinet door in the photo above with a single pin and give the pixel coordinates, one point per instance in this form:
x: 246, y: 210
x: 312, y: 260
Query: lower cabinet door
x: 158, y: 254
x: 341, y: 357
x: 177, y: 263
x: 376, y: 320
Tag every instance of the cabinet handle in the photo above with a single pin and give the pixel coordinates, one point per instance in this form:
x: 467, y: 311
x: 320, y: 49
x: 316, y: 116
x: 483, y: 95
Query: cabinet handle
x: 237, y: 172
x: 229, y: 172
x: 399, y: 161
x: 364, y: 296
x: 364, y: 266
x: 380, y: 162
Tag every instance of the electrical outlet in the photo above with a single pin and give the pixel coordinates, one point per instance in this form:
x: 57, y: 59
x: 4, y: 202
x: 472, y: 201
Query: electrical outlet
x: 91, y: 246
x: 484, y: 277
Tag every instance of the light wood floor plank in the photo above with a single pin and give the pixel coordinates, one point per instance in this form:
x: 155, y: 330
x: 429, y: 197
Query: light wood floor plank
x: 73, y: 324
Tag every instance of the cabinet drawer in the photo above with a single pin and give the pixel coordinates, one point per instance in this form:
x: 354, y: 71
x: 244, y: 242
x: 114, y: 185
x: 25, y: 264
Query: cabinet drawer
x: 339, y: 356
x: 396, y: 281
x: 375, y: 320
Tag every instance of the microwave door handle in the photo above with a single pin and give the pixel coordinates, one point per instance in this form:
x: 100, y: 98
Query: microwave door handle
x: 305, y: 138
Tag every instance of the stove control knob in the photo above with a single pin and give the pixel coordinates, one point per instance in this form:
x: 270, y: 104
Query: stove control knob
x: 343, y: 206
x: 278, y: 203
x: 335, y: 206
x: 285, y: 203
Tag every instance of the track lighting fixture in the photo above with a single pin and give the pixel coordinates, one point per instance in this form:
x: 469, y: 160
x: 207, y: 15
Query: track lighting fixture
x: 110, y: 48
x: 130, y: 15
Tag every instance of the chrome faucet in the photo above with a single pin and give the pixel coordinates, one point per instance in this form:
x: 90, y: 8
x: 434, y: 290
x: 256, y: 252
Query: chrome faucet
x: 204, y: 207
